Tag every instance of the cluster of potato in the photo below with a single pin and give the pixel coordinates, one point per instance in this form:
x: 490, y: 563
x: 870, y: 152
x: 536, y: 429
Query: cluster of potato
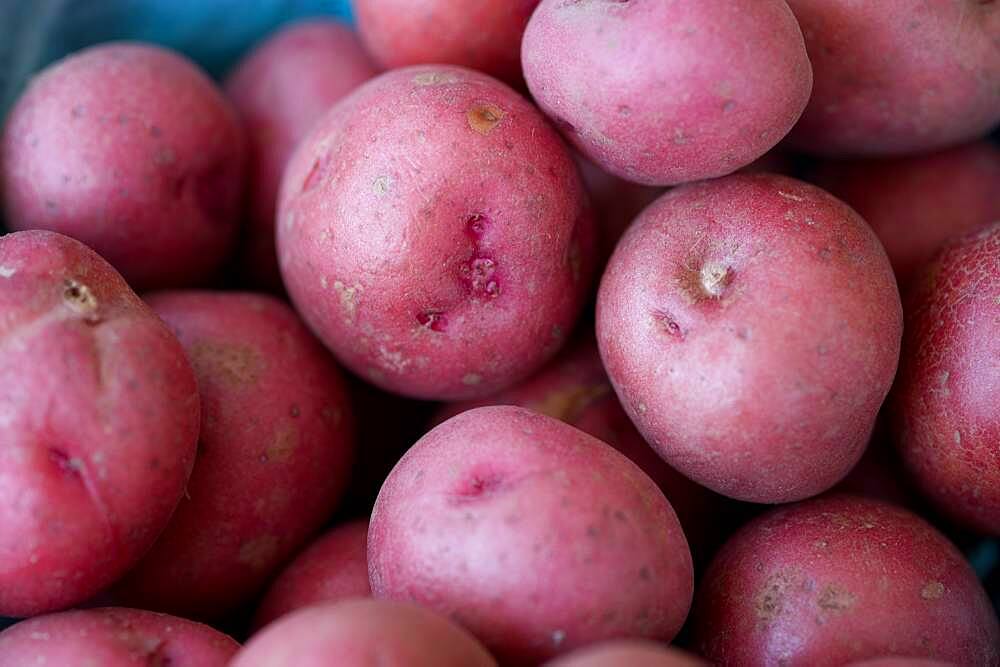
x: 469, y: 207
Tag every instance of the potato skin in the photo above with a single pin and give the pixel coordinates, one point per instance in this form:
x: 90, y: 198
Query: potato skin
x: 276, y: 449
x: 898, y: 76
x: 280, y: 90
x: 114, y: 637
x: 483, y: 35
x: 497, y: 492
x: 447, y: 249
x: 916, y: 203
x: 363, y: 633
x: 620, y: 79
x: 837, y: 579
x: 630, y: 653
x: 99, y: 412
x: 944, y: 404
x: 133, y: 150
x: 902, y: 662
x: 751, y: 328
x: 333, y: 568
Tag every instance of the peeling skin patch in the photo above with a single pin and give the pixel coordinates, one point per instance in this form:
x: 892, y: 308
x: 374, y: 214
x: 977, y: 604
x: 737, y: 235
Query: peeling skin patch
x: 381, y: 185
x: 230, y: 363
x: 7, y: 272
x: 286, y: 440
x: 434, y: 79
x: 348, y: 299
x: 568, y: 404
x: 832, y: 598
x: 258, y: 552
x: 790, y: 196
x: 484, y: 117
x: 80, y: 298
x: 932, y: 591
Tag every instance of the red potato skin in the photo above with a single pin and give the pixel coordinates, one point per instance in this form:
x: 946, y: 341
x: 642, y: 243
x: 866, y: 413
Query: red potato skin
x: 630, y: 653
x: 114, y: 637
x: 280, y: 90
x: 902, y: 662
x: 662, y: 93
x: 447, y: 250
x: 363, y: 633
x: 276, y: 449
x: 575, y: 389
x: 533, y: 535
x: 333, y: 568
x: 838, y: 579
x: 898, y: 76
x: 99, y: 412
x: 751, y: 328
x: 133, y: 150
x: 944, y: 405
x: 915, y: 204
x: 483, y: 35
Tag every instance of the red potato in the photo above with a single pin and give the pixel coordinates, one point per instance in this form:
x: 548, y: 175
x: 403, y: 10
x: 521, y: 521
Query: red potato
x: 363, y: 633
x: 333, y: 568
x: 280, y: 90
x: 751, y: 328
x: 917, y: 203
x: 902, y: 662
x: 667, y: 92
x: 484, y: 35
x: 114, y: 637
x: 133, y: 150
x: 276, y: 448
x: 944, y: 404
x: 535, y: 536
x: 838, y: 579
x: 435, y: 234
x: 99, y: 412
x: 898, y: 76
x: 575, y: 389
x: 628, y: 653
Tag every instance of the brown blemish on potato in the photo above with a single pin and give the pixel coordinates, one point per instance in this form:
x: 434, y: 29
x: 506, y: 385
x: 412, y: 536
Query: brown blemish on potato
x: 832, y: 598
x: 932, y: 591
x: 230, y: 363
x: 286, y: 440
x: 80, y: 299
x: 484, y: 117
x: 568, y: 404
x: 771, y: 598
x: 258, y: 552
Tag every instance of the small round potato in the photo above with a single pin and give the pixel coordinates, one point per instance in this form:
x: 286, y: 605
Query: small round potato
x: 628, y: 653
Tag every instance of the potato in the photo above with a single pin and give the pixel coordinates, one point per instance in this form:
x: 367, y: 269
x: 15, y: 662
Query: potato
x: 898, y: 76
x: 535, y: 536
x: 363, y: 633
x: 901, y: 662
x: 667, y: 92
x: 131, y: 149
x: 276, y: 447
x: 484, y: 35
x: 944, y: 404
x: 280, y: 90
x: 575, y: 389
x: 99, y: 412
x: 434, y: 232
x: 333, y: 568
x: 628, y: 653
x: 838, y: 579
x: 114, y: 637
x: 751, y: 328
x: 917, y: 203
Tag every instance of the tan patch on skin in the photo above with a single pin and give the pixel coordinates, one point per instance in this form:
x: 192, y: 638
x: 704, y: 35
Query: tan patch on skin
x: 80, y: 299
x: 771, y: 598
x: 348, y: 299
x: 258, y: 552
x: 434, y: 79
x: 484, y: 117
x: 472, y: 379
x: 932, y: 591
x: 832, y: 598
x: 230, y: 363
x: 568, y: 404
x: 286, y: 440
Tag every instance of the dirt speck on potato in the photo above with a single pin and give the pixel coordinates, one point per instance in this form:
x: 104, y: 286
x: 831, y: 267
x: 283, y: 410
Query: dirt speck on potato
x: 484, y: 117
x: 236, y: 365
x: 79, y: 298
x: 932, y: 591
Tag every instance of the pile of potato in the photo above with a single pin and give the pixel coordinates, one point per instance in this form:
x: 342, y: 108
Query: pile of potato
x: 695, y: 304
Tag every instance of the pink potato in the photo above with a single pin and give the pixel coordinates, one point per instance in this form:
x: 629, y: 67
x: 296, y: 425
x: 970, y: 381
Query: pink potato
x: 435, y: 234
x: 280, y: 90
x: 898, y: 76
x: 114, y: 637
x: 668, y: 92
x: 484, y: 35
x: 902, y: 662
x: 944, y: 405
x: 276, y: 447
x: 628, y: 653
x: 917, y: 203
x: 535, y: 536
x: 133, y: 150
x: 363, y: 633
x: 751, y: 328
x: 333, y: 568
x: 575, y: 389
x: 838, y: 579
x: 99, y: 413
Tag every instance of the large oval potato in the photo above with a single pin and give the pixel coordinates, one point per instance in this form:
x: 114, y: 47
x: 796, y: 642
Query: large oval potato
x: 628, y: 653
